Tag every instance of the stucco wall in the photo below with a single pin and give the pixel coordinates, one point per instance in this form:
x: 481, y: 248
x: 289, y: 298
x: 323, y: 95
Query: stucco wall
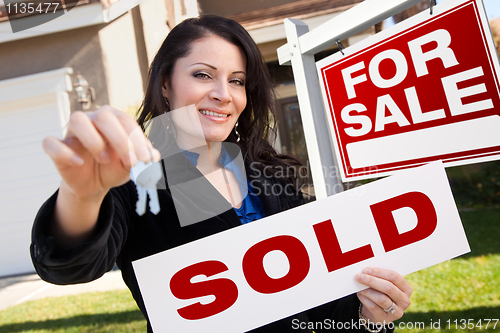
x: 108, y: 56
x: 154, y: 22
x: 79, y: 49
x: 120, y: 54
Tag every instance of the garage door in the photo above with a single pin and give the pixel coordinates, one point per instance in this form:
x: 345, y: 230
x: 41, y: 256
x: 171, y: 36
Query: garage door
x: 31, y: 107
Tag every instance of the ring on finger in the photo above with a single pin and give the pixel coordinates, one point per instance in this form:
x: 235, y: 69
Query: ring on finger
x: 391, y: 309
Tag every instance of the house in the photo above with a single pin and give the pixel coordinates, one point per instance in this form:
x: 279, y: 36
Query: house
x: 110, y: 44
x: 495, y: 31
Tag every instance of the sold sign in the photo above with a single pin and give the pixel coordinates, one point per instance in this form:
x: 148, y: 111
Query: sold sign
x: 269, y: 269
x: 426, y: 89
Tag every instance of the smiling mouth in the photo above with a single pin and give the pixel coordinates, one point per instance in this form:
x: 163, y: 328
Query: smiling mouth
x: 213, y: 114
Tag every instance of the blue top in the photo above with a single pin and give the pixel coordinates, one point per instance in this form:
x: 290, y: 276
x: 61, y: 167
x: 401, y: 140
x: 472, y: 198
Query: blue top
x: 251, y: 208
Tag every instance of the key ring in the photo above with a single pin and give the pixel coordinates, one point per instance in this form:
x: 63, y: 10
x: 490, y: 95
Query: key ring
x: 340, y: 46
x: 432, y: 4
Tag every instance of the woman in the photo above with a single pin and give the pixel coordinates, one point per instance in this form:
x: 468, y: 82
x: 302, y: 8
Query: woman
x: 211, y: 70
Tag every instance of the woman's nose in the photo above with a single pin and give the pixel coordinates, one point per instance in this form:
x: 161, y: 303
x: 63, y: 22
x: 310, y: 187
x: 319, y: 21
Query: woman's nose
x: 221, y: 92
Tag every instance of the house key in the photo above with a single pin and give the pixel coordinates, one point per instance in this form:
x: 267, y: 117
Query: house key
x: 145, y: 177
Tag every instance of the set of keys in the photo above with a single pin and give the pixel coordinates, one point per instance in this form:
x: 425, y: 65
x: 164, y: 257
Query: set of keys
x: 145, y: 177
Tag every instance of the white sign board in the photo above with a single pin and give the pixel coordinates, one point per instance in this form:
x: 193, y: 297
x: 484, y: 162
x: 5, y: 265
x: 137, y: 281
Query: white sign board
x: 269, y: 269
x: 426, y: 89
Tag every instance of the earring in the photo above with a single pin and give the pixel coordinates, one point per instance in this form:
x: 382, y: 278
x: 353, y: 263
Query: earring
x: 167, y: 103
x: 168, y: 118
x: 236, y: 131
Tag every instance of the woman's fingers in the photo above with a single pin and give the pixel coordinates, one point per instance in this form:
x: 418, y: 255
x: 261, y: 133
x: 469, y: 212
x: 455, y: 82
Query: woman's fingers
x: 384, y: 295
x: 109, y: 129
x: 138, y: 141
x: 375, y: 312
x: 378, y: 302
x: 99, y: 150
x: 81, y: 127
x: 386, y: 287
x: 384, y: 280
x: 116, y: 135
x: 60, y: 153
x: 381, y: 299
x: 138, y: 145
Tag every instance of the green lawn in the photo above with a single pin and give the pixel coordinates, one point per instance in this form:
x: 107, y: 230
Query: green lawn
x: 112, y: 311
x: 464, y: 290
x: 446, y: 295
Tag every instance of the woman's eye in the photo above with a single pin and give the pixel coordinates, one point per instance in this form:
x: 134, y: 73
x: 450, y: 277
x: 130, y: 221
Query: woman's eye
x: 202, y: 75
x: 239, y: 82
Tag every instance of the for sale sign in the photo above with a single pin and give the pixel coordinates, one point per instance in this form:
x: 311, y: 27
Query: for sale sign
x: 426, y: 89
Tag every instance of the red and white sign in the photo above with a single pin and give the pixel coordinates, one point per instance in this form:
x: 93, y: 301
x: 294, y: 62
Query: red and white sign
x: 269, y: 269
x: 426, y: 89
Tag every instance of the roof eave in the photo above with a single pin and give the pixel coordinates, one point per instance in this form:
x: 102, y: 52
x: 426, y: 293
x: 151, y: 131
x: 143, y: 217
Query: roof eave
x: 79, y: 17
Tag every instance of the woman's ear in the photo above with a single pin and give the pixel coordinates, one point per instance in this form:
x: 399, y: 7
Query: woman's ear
x: 165, y: 89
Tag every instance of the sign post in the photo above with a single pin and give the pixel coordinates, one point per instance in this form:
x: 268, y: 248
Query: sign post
x: 299, y: 52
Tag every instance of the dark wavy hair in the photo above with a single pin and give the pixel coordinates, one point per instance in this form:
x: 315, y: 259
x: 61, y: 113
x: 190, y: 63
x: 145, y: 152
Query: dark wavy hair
x: 257, y: 123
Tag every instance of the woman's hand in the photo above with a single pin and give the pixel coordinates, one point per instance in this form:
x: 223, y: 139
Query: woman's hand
x: 98, y: 151
x: 385, y: 287
x: 96, y: 155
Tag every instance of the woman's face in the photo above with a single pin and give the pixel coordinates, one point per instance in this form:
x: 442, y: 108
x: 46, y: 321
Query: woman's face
x: 212, y: 78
